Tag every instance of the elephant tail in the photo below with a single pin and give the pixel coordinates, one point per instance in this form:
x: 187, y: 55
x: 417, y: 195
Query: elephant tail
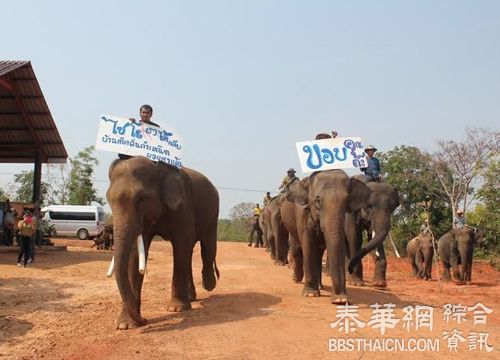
x: 217, y: 273
x: 208, y: 253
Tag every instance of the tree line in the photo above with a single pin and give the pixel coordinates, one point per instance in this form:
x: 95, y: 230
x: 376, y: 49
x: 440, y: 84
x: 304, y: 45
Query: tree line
x: 62, y: 184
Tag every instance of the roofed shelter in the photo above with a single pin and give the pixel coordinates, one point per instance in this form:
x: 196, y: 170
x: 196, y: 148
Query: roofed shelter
x: 28, y: 133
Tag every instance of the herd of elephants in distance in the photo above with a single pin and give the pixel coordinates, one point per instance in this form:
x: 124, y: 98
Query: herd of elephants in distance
x: 327, y: 210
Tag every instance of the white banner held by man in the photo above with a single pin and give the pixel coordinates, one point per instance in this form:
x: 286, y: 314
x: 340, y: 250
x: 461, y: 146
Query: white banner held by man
x: 118, y: 134
x: 329, y: 154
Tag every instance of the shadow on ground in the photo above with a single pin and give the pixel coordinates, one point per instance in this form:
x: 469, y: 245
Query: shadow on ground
x: 216, y: 309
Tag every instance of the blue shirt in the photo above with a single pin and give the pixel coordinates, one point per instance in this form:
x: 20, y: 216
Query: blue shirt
x: 373, y: 169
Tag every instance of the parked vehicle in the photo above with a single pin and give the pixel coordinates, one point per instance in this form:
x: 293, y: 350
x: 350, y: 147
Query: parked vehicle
x: 83, y: 221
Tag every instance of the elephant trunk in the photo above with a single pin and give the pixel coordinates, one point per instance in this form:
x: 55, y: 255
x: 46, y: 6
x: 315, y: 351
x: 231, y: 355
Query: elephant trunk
x: 124, y: 245
x: 381, y: 226
x: 335, y: 244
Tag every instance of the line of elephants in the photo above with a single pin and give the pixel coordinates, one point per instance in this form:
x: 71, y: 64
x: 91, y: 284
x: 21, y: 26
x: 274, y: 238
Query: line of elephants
x: 327, y: 210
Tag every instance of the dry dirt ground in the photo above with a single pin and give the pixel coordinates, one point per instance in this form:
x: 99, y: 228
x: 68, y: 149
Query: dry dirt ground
x: 63, y: 307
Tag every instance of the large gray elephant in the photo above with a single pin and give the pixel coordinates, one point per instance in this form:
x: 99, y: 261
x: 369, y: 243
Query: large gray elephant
x: 149, y: 199
x: 375, y: 218
x: 277, y: 235
x: 322, y: 201
x: 456, y: 250
x: 420, y: 251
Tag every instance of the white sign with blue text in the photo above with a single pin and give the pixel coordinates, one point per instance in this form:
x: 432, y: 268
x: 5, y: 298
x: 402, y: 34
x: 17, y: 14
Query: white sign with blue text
x: 329, y: 154
x: 118, y: 134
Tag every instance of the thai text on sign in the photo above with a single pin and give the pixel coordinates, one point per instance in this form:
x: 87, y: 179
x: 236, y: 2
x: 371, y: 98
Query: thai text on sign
x: 118, y: 134
x: 329, y: 154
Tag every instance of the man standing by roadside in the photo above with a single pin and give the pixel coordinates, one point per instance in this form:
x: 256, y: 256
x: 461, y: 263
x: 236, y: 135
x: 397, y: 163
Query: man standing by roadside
x: 26, y: 231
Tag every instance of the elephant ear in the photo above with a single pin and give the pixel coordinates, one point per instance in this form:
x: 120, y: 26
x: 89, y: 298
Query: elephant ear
x: 359, y: 195
x: 297, y: 192
x: 172, y: 188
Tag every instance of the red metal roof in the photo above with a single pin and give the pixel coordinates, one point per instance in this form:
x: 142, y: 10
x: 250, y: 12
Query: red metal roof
x: 26, y: 125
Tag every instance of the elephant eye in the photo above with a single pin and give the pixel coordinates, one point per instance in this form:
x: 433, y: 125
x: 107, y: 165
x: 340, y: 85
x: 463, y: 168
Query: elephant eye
x: 317, y: 201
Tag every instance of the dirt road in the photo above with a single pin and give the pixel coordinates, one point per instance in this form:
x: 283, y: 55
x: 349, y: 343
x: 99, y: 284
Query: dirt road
x: 63, y: 307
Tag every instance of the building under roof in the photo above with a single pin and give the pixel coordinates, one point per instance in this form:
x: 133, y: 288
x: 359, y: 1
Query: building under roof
x: 28, y: 133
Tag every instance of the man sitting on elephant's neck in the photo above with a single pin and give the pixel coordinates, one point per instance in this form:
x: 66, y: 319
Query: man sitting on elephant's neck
x: 372, y: 171
x: 146, y: 113
x: 290, y: 176
x: 425, y: 229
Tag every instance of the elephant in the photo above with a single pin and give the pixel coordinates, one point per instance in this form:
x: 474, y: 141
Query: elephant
x: 375, y: 218
x: 420, y: 251
x: 456, y: 249
x: 322, y: 201
x: 255, y: 229
x: 181, y: 205
x: 289, y: 214
x: 277, y: 236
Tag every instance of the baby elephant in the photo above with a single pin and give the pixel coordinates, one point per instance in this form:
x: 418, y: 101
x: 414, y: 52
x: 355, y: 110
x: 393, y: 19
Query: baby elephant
x: 456, y: 249
x: 420, y: 252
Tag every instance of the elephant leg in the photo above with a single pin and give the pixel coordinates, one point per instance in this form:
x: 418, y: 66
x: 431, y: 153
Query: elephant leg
x: 354, y: 246
x: 180, y: 280
x: 418, y: 263
x: 414, y: 266
x: 251, y: 237
x: 319, y: 266
x: 379, y: 279
x: 354, y: 242
x: 309, y: 260
x: 191, y: 287
x: 446, y: 271
x: 297, y: 259
x: 468, y: 272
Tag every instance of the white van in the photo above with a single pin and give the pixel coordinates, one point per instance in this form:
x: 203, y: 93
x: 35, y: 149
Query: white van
x: 82, y: 221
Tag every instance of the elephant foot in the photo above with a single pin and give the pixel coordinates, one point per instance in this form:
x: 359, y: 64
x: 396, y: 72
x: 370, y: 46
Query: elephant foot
x: 176, y: 305
x: 467, y: 282
x: 192, y: 293
x: 459, y: 282
x: 380, y: 284
x: 125, y: 322
x: 208, y: 280
x: 310, y: 292
x: 279, y: 263
x: 355, y: 281
x: 339, y: 299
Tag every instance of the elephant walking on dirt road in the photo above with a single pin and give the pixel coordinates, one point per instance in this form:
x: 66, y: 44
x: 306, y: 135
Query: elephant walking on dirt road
x: 456, y: 250
x: 420, y: 251
x: 149, y: 199
x: 256, y: 231
x: 322, y: 200
x: 375, y: 218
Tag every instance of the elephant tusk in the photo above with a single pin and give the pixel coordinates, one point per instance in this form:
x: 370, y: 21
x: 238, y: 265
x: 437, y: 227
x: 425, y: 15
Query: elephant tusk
x: 394, y: 246
x: 142, y: 255
x: 111, y: 268
x: 373, y: 237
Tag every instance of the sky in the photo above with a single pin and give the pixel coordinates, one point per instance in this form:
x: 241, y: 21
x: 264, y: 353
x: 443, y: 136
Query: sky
x: 242, y: 81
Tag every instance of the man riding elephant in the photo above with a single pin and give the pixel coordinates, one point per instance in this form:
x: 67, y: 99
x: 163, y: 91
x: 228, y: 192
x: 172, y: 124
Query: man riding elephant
x: 372, y: 171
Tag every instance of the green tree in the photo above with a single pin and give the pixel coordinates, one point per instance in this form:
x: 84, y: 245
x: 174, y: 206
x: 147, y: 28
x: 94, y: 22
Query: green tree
x: 237, y: 227
x: 81, y: 187
x: 407, y: 169
x: 23, y: 182
x: 486, y: 215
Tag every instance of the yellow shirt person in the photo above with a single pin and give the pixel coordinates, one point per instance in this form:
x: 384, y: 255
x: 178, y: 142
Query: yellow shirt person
x: 257, y: 210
